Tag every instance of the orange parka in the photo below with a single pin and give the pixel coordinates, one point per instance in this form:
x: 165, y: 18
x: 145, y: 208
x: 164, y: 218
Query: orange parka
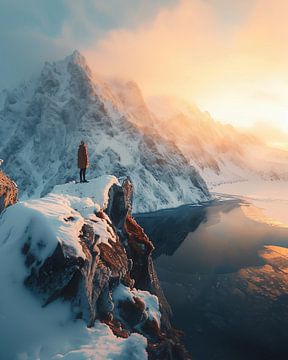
x: 82, y: 156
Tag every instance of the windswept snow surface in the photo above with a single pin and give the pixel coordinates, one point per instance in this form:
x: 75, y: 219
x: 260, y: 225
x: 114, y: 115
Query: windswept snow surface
x: 97, y: 189
x: 59, y: 215
x: 99, y: 343
x: 27, y: 330
x: 44, y: 216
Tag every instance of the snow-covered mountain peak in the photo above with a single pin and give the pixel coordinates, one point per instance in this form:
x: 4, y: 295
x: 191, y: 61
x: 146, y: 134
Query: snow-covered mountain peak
x: 77, y: 58
x: 70, y: 76
x: 43, y: 123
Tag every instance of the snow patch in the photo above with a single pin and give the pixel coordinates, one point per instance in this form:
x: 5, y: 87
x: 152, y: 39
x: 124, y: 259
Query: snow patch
x: 43, y: 224
x: 122, y: 293
x: 99, y: 343
x: 96, y: 190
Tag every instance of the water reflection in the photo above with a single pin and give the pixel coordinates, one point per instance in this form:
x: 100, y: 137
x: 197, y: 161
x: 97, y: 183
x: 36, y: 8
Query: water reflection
x: 218, y: 238
x: 169, y: 228
x: 225, y: 275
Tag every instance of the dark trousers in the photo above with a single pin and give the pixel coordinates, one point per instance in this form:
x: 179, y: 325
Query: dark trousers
x: 82, y: 175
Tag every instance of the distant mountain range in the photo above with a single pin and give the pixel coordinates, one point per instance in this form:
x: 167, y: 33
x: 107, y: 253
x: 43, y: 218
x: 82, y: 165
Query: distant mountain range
x: 169, y: 148
x: 219, y: 152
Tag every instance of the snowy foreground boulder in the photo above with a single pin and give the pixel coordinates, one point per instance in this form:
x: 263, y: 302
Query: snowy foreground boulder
x: 77, y: 279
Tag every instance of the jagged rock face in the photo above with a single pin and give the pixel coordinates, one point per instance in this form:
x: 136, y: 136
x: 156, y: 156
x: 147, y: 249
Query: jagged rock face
x: 120, y: 203
x: 138, y: 246
x: 85, y: 283
x: 8, y: 191
x: 47, y: 118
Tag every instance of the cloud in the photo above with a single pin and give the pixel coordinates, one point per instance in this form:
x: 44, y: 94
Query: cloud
x: 230, y: 57
x: 181, y: 40
x: 33, y: 31
x: 194, y: 51
x: 266, y: 96
x: 270, y: 134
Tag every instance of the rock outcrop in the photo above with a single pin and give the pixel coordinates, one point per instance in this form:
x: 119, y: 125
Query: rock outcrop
x: 113, y: 281
x: 8, y: 191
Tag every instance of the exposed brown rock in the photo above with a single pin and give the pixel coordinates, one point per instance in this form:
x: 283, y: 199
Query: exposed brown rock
x: 137, y: 237
x: 8, y: 191
x: 117, y: 328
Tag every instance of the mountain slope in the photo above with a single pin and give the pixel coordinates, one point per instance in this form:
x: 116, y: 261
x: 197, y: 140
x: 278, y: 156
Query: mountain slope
x: 219, y: 152
x: 44, y: 120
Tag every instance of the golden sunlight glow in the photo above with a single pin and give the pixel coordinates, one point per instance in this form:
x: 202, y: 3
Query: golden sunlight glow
x: 236, y: 70
x: 258, y: 215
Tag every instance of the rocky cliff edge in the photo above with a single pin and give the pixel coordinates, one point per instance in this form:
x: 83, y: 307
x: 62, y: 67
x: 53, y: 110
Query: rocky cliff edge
x: 79, y: 278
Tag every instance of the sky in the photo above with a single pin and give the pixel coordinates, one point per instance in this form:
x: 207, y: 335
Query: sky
x: 228, y: 57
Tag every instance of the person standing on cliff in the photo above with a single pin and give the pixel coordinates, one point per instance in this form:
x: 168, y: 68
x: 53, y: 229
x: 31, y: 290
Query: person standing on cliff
x: 82, y: 161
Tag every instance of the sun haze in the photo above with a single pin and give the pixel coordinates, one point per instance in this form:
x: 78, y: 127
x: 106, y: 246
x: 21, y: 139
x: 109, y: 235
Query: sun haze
x: 228, y: 57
